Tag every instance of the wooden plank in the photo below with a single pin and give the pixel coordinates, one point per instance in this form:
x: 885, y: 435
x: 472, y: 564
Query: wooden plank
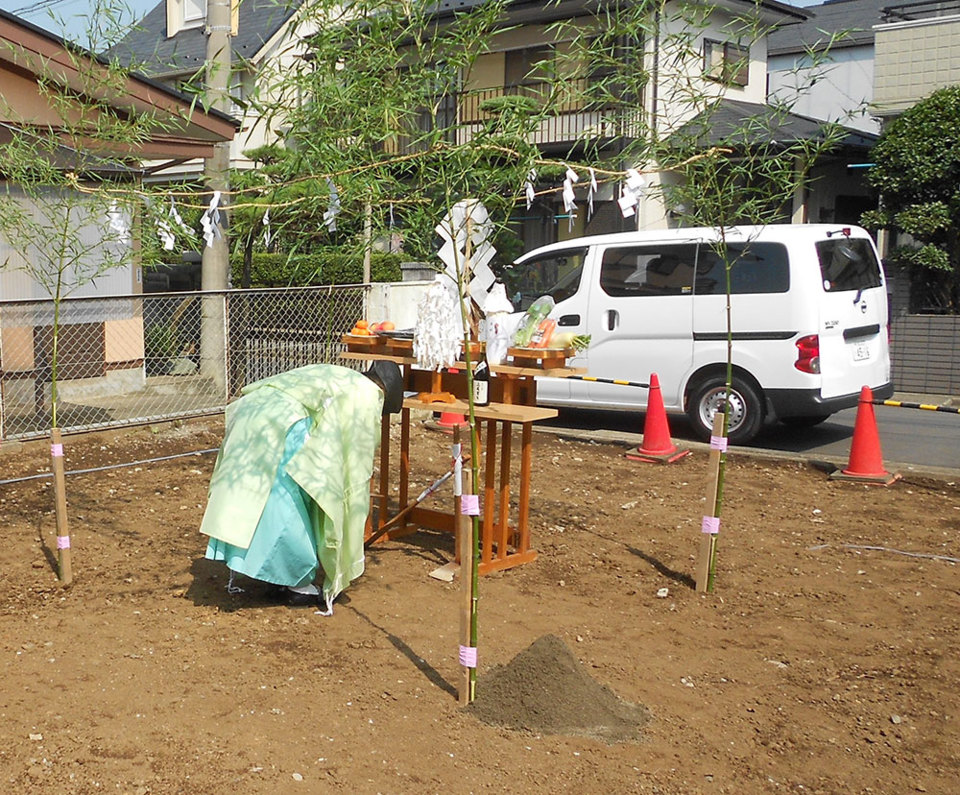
x: 503, y: 514
x: 526, y: 459
x: 499, y: 564
x: 495, y: 411
x: 489, y: 491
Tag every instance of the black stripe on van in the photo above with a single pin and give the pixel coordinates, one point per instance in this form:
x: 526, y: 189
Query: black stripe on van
x: 711, y: 336
x: 861, y: 331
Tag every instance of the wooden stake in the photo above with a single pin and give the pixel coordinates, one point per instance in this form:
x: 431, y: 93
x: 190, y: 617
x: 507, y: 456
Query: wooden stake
x: 708, y: 541
x: 60, y: 498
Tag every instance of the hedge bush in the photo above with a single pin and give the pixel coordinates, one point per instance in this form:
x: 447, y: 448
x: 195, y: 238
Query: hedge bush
x: 320, y: 267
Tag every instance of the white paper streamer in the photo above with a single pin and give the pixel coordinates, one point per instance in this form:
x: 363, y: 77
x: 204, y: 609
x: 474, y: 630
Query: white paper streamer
x: 591, y: 193
x: 439, y: 329
x: 569, y: 203
x: 475, y: 275
x: 210, y: 223
x: 165, y: 233
x: 267, y: 235
x: 333, y: 209
x: 631, y: 192
x: 118, y: 224
x: 177, y: 220
x: 529, y: 188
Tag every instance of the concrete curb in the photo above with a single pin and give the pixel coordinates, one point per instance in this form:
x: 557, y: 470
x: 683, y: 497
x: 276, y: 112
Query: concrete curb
x: 825, y: 463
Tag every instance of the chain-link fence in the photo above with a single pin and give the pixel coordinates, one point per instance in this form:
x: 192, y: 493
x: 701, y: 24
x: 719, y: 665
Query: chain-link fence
x: 144, y: 358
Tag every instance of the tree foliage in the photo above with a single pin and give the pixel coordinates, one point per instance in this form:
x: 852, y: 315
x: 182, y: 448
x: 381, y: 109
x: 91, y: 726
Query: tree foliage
x: 917, y: 174
x: 61, y: 219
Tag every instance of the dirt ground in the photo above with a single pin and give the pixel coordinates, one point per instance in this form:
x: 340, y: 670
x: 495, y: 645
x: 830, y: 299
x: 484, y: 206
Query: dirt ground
x: 814, y: 667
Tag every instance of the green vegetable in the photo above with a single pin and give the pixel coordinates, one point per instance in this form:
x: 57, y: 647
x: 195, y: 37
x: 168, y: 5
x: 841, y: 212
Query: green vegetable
x: 569, y: 339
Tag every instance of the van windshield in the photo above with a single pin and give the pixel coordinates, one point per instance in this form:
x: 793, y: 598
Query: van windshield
x: 556, y: 274
x: 848, y: 264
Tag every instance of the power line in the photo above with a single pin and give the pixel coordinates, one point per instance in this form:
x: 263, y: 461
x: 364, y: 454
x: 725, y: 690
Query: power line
x: 40, y: 5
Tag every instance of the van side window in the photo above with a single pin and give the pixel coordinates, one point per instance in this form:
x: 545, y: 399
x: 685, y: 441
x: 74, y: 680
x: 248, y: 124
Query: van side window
x: 648, y: 270
x: 756, y: 268
x: 847, y: 264
x: 556, y: 275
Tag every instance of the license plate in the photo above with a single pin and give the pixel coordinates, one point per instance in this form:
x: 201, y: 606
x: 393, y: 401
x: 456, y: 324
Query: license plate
x: 861, y: 353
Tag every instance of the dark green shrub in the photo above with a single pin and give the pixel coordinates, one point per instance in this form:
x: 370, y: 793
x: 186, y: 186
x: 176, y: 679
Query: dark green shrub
x: 327, y: 266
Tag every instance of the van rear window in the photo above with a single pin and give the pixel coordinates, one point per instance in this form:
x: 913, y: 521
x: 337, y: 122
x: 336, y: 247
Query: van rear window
x: 756, y: 268
x: 848, y: 264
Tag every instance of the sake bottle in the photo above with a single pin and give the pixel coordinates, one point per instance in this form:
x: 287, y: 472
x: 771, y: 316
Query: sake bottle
x: 481, y: 384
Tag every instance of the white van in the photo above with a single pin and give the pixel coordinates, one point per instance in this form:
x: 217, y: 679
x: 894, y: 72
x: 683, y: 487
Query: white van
x: 808, y: 311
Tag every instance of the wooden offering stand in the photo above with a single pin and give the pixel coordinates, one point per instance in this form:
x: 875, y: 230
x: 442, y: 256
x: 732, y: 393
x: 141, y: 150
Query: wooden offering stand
x: 505, y: 540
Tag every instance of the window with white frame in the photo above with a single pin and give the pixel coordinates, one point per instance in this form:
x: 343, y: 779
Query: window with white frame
x: 194, y: 13
x: 726, y: 62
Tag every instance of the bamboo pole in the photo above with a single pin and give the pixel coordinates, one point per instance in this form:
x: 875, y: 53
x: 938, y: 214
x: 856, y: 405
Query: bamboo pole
x: 60, y: 497
x: 464, y: 542
x: 708, y: 540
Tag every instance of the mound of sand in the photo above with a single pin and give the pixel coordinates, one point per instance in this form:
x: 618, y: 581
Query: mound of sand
x: 545, y: 689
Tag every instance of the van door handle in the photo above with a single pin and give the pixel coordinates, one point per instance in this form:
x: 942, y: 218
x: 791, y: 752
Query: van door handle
x: 613, y: 319
x: 569, y: 320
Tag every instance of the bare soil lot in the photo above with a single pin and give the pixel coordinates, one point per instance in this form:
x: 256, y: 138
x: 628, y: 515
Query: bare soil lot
x: 814, y: 667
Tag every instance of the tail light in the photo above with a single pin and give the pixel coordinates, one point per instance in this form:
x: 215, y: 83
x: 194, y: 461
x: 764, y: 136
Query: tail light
x: 808, y: 354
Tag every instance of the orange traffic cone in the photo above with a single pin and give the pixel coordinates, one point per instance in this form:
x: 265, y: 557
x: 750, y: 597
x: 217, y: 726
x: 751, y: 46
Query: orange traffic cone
x: 656, y: 447
x: 447, y: 422
x: 866, y: 460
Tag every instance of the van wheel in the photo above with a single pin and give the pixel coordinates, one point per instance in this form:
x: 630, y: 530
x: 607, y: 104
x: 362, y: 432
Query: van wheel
x: 746, y: 410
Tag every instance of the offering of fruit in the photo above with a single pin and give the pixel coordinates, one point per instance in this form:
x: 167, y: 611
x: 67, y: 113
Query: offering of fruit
x: 364, y: 328
x: 361, y: 329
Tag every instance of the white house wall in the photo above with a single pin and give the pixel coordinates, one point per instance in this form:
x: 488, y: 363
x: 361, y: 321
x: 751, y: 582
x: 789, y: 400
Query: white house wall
x: 16, y: 283
x: 842, y: 91
x: 682, y: 91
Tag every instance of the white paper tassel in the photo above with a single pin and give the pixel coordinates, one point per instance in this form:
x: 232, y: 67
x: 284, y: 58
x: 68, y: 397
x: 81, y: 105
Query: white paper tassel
x: 267, y: 235
x: 333, y: 209
x: 118, y: 224
x: 439, y: 329
x: 177, y: 220
x: 210, y: 223
x: 631, y: 192
x: 591, y: 193
x: 165, y: 233
x: 569, y: 203
x: 529, y: 188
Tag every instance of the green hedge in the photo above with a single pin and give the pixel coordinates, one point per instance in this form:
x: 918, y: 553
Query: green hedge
x: 322, y: 267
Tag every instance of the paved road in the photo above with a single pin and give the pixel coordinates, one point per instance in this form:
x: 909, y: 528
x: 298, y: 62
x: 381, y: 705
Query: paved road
x: 909, y: 438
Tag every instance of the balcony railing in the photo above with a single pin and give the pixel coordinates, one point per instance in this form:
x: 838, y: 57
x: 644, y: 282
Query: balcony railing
x: 566, y: 120
x: 924, y: 9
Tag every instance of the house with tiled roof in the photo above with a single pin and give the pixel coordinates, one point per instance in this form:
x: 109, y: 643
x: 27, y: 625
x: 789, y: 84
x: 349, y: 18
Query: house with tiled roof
x: 170, y: 45
x: 58, y: 100
x: 720, y: 59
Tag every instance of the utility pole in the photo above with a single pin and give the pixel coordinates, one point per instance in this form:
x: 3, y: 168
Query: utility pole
x: 216, y: 173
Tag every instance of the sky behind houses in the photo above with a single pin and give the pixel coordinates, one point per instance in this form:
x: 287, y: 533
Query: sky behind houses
x: 71, y: 18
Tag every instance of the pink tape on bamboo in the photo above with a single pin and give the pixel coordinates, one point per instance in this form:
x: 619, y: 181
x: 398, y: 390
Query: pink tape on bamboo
x: 468, y: 656
x: 470, y: 504
x: 56, y: 450
x: 718, y: 443
x: 63, y: 542
x: 711, y: 524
